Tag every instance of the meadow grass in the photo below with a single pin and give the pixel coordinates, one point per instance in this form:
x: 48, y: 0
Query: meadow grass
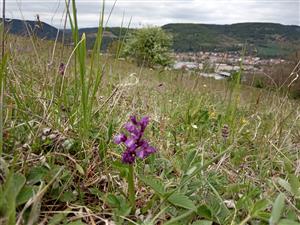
x: 60, y: 165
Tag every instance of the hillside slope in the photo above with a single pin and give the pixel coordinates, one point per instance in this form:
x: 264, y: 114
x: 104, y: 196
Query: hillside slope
x: 26, y: 27
x: 224, y: 153
x: 263, y: 39
x: 45, y: 31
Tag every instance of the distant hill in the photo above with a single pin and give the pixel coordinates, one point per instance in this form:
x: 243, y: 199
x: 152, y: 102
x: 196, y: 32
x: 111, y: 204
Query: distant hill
x: 46, y: 31
x: 24, y: 28
x: 261, y: 39
x: 110, y: 34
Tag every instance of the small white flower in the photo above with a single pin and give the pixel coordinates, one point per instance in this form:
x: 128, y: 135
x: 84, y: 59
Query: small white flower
x: 53, y: 136
x: 230, y: 204
x: 194, y: 126
x: 46, y: 131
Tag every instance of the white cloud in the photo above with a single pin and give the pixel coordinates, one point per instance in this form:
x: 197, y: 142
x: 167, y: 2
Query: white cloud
x: 159, y: 12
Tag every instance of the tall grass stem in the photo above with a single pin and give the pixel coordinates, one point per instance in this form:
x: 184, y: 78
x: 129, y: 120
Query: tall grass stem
x: 2, y: 77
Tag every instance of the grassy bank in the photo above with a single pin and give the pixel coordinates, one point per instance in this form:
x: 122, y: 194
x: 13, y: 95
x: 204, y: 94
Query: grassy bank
x: 224, y: 153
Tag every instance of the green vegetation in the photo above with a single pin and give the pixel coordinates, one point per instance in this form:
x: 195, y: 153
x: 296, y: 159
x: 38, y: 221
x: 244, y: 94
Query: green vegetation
x: 226, y: 153
x: 149, y: 46
x: 262, y: 39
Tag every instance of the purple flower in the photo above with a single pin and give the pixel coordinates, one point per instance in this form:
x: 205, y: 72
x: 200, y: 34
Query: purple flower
x: 133, y: 120
x: 145, y: 152
x: 135, y: 145
x: 62, y: 69
x: 145, y: 120
x: 128, y: 156
x: 120, y: 138
x: 130, y: 143
x: 131, y: 128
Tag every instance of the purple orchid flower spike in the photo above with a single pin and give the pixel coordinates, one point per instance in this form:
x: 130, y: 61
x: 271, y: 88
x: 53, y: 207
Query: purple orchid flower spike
x: 145, y: 152
x: 133, y: 120
x: 120, y: 138
x: 144, y: 122
x: 128, y: 156
x: 132, y: 129
x: 61, y: 69
x: 130, y: 143
x: 135, y: 145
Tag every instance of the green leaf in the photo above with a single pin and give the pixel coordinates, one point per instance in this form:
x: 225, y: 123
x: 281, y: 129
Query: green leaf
x: 191, y: 170
x: 123, y: 169
x: 37, y: 174
x: 181, y: 217
x: 204, y: 212
x: 262, y: 215
x: 57, y: 219
x: 4, y: 167
x: 113, y: 201
x: 95, y: 191
x: 79, y: 169
x: 189, y: 160
x: 292, y: 214
x: 109, y: 132
x: 288, y: 222
x: 68, y: 144
x: 78, y: 222
x: 203, y: 222
x: 25, y: 194
x: 155, y: 184
x: 124, y: 211
x: 35, y: 211
x: 18, y: 183
x: 260, y: 205
x: 277, y: 209
x: 179, y: 199
x: 285, y: 184
x: 68, y: 196
x: 11, y: 188
x: 295, y: 185
x: 119, y: 203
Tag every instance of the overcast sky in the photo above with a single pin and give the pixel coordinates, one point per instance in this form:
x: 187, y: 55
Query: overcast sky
x: 159, y: 12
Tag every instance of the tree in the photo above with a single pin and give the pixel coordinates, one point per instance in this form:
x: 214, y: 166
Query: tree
x: 149, y: 46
